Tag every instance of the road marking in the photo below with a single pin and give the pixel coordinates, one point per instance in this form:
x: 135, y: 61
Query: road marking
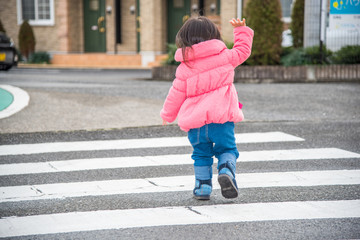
x: 21, y: 100
x: 169, y: 216
x: 172, y: 184
x: 134, y: 143
x: 163, y: 160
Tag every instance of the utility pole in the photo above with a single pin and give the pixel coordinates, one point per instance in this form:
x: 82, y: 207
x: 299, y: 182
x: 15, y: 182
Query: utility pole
x: 322, y: 27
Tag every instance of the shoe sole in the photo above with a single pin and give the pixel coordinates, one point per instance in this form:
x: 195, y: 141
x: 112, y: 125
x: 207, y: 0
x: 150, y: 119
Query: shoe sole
x: 228, y: 188
x: 206, y: 197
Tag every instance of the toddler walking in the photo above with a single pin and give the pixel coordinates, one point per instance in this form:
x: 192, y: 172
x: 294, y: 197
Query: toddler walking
x: 205, y: 101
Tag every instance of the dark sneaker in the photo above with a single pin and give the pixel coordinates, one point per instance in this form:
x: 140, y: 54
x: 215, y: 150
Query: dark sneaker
x: 227, y: 182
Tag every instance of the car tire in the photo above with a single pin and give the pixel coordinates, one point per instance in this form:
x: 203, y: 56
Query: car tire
x: 5, y: 67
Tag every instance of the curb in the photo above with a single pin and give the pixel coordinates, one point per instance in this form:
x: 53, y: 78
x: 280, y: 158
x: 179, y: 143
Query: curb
x: 21, y: 100
x: 80, y: 67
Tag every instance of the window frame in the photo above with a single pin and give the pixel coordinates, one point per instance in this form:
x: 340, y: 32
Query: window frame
x: 37, y: 22
x: 287, y: 19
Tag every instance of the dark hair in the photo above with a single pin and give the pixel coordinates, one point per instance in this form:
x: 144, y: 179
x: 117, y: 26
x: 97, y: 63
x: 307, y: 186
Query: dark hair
x: 196, y: 30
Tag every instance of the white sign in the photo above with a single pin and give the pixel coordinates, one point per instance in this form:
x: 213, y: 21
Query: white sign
x: 344, y: 24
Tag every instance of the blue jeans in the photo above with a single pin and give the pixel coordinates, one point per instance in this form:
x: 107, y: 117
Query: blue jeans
x: 213, y: 140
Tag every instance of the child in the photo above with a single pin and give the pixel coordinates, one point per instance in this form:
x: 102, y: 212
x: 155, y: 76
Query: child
x: 205, y: 100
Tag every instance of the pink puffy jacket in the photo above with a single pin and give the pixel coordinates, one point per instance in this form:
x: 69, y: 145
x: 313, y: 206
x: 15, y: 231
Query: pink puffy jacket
x: 203, y: 91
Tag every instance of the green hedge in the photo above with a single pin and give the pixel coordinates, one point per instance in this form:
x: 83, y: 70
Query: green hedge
x: 347, y: 55
x: 171, y: 55
x: 27, y: 40
x: 39, y: 57
x: 297, y: 23
x: 264, y: 17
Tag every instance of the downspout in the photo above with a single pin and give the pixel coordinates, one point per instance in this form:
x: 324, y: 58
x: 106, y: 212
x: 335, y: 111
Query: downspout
x: 116, y: 37
x: 239, y: 9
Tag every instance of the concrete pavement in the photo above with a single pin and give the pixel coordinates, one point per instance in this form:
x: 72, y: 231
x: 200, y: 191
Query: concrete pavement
x: 91, y: 100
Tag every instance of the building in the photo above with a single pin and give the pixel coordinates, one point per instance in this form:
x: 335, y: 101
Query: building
x: 112, y: 32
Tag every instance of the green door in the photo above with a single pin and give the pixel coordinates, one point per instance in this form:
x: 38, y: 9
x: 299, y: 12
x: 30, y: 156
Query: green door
x: 178, y: 13
x: 94, y: 26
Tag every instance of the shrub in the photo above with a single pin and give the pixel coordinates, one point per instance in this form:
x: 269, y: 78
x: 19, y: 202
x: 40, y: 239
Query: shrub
x: 2, y: 29
x: 39, y: 57
x: 313, y: 55
x: 229, y: 45
x: 171, y: 55
x: 264, y: 17
x: 347, y: 55
x: 20, y: 57
x: 307, y: 56
x: 295, y: 57
x: 286, y: 51
x: 297, y: 23
x: 26, y: 39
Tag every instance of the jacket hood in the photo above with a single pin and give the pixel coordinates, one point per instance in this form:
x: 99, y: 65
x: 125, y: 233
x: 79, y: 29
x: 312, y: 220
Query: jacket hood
x: 200, y: 50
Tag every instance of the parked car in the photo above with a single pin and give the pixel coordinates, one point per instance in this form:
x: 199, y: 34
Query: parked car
x: 8, y: 55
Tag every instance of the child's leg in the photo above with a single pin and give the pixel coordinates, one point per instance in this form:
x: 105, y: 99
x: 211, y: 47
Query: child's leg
x: 225, y: 150
x: 202, y: 156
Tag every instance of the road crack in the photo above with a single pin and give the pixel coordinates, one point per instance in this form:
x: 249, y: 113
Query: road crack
x: 192, y: 210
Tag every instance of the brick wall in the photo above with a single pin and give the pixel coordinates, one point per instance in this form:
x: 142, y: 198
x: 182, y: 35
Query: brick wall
x: 227, y: 11
x: 153, y: 25
x: 128, y: 26
x: 48, y: 38
x: 75, y: 26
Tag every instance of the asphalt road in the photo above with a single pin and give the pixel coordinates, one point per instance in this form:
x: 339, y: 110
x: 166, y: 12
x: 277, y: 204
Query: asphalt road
x: 104, y: 99
x: 79, y: 105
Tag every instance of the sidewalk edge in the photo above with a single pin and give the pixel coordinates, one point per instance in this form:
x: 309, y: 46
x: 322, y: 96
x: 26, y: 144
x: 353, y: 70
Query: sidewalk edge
x: 21, y: 100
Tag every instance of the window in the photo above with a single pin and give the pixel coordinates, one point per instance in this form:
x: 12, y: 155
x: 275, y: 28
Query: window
x: 286, y: 6
x: 38, y: 12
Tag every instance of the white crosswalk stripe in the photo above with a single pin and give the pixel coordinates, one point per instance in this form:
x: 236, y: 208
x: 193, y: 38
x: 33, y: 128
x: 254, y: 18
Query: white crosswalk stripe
x: 167, y: 216
x: 134, y: 143
x: 69, y: 222
x: 171, y: 184
x: 179, y: 159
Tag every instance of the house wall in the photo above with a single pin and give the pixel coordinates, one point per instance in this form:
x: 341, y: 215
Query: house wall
x: 228, y: 11
x: 75, y: 27
x: 153, y: 29
x: 54, y: 38
x: 153, y: 25
x: 128, y: 28
x: 67, y: 34
x: 8, y: 18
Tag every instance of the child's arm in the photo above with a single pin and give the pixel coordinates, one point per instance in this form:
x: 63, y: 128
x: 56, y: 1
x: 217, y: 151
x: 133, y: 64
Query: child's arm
x: 243, y: 37
x: 238, y: 22
x: 173, y: 102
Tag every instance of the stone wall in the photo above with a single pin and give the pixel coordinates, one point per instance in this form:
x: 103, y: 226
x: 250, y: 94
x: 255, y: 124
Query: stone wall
x: 258, y: 74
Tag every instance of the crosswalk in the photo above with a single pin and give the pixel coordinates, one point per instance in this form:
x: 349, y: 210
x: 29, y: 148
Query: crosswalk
x: 26, y: 223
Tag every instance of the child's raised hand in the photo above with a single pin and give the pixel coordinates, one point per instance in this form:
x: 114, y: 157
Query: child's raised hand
x: 238, y: 23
